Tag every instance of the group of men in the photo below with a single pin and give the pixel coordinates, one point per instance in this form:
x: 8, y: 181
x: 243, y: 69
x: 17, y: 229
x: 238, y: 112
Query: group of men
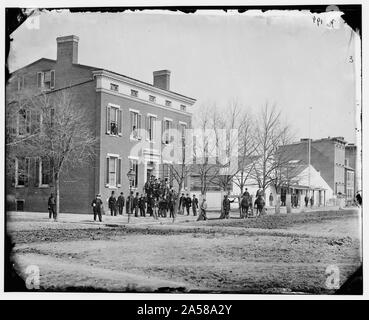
x: 158, y: 199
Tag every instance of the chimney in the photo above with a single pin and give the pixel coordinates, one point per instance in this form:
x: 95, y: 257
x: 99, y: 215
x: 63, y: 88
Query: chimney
x: 162, y: 79
x: 67, y: 49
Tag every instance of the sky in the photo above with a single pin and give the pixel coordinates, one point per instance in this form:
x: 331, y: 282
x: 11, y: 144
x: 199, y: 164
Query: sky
x: 279, y: 58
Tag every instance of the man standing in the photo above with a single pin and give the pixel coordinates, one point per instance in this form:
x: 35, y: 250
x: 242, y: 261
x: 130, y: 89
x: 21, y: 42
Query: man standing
x: 96, y: 207
x: 129, y: 204
x: 182, y: 201
x: 188, y: 203
x: 203, y: 207
x: 135, y: 203
x: 141, y: 205
x: 120, y: 203
x: 311, y: 201
x: 112, y: 204
x: 150, y: 204
x: 271, y: 200
x: 51, y: 203
x: 171, y: 203
x: 195, y: 205
x: 226, y: 207
x: 306, y: 200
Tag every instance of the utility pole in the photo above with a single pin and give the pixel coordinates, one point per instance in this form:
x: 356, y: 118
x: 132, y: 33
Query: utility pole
x: 309, y: 151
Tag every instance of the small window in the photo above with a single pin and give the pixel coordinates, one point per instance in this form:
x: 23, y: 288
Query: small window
x: 134, y: 167
x: 21, y: 172
x: 167, y: 126
x: 151, y: 127
x: 24, y: 122
x: 183, y: 107
x: 135, y: 125
x: 168, y: 103
x: 113, y: 120
x: 152, y: 98
x: 20, y: 83
x: 46, y: 80
x: 134, y: 93
x: 114, y: 87
x: 45, y: 172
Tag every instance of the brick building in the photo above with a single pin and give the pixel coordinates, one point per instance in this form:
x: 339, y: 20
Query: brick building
x: 128, y: 116
x: 329, y: 157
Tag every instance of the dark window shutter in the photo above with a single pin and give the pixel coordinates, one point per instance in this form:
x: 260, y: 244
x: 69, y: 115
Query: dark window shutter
x: 120, y: 121
x: 26, y: 174
x: 119, y: 171
x: 37, y: 172
x: 39, y: 79
x: 107, y: 170
x: 108, y: 119
x: 52, y: 79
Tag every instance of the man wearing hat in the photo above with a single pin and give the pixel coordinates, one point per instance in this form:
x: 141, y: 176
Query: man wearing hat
x: 97, y: 207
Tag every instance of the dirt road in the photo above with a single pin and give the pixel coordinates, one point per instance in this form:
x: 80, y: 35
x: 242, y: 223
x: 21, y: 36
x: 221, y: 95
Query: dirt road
x: 271, y: 254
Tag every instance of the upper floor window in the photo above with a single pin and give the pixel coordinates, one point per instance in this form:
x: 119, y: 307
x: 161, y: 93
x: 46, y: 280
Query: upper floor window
x: 24, y: 122
x: 134, y: 93
x: 152, y: 98
x: 21, y: 171
x: 134, y: 166
x: 46, y: 80
x: 114, y: 87
x: 183, y: 107
x: 135, y: 125
x: 20, y: 83
x: 45, y: 172
x: 150, y: 127
x: 167, y: 126
x: 168, y: 103
x: 113, y: 120
x: 183, y: 127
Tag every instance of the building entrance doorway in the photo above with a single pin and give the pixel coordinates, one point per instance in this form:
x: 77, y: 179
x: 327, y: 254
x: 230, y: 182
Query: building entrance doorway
x: 150, y: 170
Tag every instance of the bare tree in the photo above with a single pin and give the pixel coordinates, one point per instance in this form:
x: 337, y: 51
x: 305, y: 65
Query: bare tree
x: 270, y: 134
x: 205, y: 166
x: 54, y: 129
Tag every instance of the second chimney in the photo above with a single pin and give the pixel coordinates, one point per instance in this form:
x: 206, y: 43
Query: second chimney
x: 67, y: 50
x: 162, y: 79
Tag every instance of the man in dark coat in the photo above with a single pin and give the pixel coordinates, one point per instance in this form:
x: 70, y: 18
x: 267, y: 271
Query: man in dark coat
x: 112, y: 204
x: 97, y: 207
x: 195, y: 205
x: 306, y: 200
x: 188, y: 202
x: 120, y: 203
x: 51, y: 203
x: 135, y: 203
x: 311, y: 201
x: 150, y: 204
x: 171, y: 202
x: 129, y: 204
x: 226, y: 207
x: 182, y: 204
x: 141, y: 205
x: 359, y: 199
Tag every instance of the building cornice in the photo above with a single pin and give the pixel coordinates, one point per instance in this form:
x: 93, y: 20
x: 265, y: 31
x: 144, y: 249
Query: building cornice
x: 144, y: 101
x: 142, y: 85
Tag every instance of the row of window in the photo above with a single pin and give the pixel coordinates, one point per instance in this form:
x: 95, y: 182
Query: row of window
x: 45, y: 80
x: 42, y: 172
x: 113, y: 175
x: 134, y: 93
x: 114, y: 123
x: 27, y: 122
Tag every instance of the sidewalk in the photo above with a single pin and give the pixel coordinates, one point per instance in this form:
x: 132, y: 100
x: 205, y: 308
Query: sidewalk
x: 76, y: 220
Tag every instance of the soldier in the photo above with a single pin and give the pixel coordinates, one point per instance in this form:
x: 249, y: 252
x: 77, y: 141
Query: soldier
x: 245, y: 201
x: 129, y: 204
x: 97, y: 207
x: 162, y: 207
x: 141, y: 205
x: 226, y: 207
x: 195, y: 205
x: 306, y: 200
x: 171, y: 203
x: 150, y: 204
x: 188, y: 202
x: 135, y: 204
x: 51, y: 203
x: 182, y: 204
x: 120, y: 203
x: 203, y: 207
x: 112, y: 201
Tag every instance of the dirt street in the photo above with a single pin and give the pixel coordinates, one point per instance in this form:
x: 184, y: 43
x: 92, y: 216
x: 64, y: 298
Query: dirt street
x: 270, y: 254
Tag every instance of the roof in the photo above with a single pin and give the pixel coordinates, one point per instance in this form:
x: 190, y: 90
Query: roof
x: 116, y: 73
